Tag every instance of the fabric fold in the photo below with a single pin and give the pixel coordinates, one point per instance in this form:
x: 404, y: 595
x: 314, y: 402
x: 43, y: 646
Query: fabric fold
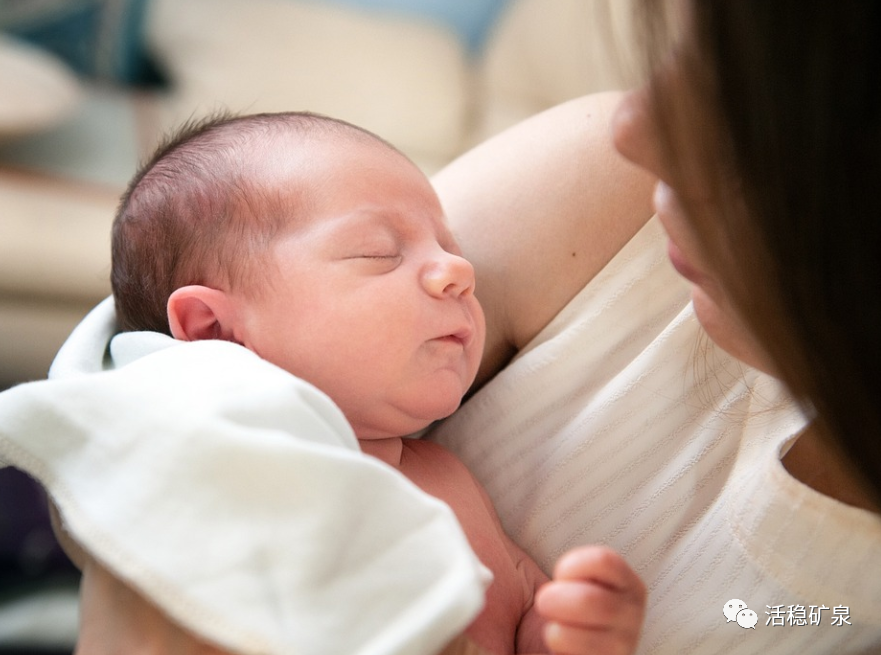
x: 235, y: 496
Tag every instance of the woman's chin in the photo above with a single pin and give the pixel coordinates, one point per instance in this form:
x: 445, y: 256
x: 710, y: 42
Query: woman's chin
x: 728, y: 332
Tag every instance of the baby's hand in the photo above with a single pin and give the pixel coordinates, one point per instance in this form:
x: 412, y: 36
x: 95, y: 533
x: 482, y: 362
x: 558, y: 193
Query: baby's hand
x: 595, y: 603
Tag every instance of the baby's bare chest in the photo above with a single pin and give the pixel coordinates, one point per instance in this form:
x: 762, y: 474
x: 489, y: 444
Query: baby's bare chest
x: 442, y: 475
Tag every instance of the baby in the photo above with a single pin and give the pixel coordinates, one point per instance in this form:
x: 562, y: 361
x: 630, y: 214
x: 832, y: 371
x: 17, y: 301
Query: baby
x: 324, y: 250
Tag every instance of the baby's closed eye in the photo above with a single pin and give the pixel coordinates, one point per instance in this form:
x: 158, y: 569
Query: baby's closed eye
x: 378, y: 256
x: 375, y: 261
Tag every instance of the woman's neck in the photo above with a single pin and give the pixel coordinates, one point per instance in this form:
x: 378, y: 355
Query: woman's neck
x: 387, y: 450
x: 815, y: 464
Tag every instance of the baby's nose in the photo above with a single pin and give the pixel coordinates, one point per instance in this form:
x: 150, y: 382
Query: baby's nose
x: 449, y: 275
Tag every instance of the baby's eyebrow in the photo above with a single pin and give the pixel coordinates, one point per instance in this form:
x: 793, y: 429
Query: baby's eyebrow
x: 363, y: 222
x: 399, y: 225
x: 389, y: 219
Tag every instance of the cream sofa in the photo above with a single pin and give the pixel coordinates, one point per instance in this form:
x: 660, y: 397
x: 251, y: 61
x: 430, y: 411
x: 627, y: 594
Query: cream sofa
x: 68, y: 144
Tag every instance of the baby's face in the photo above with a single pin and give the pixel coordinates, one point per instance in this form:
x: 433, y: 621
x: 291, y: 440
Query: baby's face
x: 371, y: 301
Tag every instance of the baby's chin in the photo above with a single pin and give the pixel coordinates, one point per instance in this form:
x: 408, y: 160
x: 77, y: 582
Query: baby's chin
x: 406, y: 420
x: 442, y: 410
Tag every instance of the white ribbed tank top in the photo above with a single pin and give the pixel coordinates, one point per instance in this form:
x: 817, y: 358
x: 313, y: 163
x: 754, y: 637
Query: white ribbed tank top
x: 622, y: 423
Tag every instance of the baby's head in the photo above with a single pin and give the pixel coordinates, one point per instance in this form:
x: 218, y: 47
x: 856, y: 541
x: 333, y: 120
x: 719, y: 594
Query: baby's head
x: 204, y: 208
x: 315, y: 244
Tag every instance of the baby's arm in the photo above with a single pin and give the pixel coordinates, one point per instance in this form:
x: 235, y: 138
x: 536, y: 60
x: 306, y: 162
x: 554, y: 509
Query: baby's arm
x: 594, y: 604
x: 114, y: 618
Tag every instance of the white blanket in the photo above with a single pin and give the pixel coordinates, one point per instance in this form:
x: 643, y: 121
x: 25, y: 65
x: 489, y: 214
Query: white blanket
x: 235, y: 496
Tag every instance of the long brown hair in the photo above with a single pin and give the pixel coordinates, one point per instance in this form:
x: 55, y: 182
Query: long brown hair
x: 784, y: 113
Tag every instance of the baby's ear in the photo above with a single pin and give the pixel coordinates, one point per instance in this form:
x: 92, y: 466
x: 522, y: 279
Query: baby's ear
x: 196, y: 312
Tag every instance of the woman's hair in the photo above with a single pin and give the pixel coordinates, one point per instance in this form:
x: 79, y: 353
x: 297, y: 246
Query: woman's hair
x: 200, y: 212
x: 776, y: 106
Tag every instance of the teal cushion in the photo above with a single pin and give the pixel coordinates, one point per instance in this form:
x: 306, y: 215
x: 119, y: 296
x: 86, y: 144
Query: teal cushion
x: 101, y: 39
x: 471, y: 20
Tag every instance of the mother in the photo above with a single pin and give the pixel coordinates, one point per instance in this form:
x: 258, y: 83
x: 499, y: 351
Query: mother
x: 616, y: 420
x: 616, y: 423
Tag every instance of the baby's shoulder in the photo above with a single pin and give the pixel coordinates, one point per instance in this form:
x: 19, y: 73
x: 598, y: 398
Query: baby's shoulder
x: 422, y: 453
x: 437, y: 470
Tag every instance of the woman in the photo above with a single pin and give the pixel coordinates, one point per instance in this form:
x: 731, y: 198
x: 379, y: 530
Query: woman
x: 779, y: 173
x: 763, y: 125
x: 619, y: 423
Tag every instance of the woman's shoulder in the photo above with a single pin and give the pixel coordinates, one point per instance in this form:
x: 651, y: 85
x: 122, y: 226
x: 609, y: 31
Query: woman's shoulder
x: 539, y: 210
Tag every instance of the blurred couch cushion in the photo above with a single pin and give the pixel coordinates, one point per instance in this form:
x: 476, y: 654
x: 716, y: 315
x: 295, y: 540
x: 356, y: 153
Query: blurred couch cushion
x: 404, y: 78
x: 544, y: 52
x: 99, y: 39
x: 39, y: 263
x: 470, y: 20
x: 38, y: 89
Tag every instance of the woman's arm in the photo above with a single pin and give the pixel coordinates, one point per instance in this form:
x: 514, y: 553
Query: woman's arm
x: 116, y: 619
x: 539, y: 210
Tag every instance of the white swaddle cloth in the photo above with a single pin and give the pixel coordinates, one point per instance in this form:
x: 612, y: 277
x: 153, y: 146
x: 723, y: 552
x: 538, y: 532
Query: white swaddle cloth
x: 235, y: 497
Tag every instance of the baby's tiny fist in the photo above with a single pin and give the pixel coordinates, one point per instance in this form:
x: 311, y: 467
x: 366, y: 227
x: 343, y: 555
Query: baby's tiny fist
x: 594, y: 604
